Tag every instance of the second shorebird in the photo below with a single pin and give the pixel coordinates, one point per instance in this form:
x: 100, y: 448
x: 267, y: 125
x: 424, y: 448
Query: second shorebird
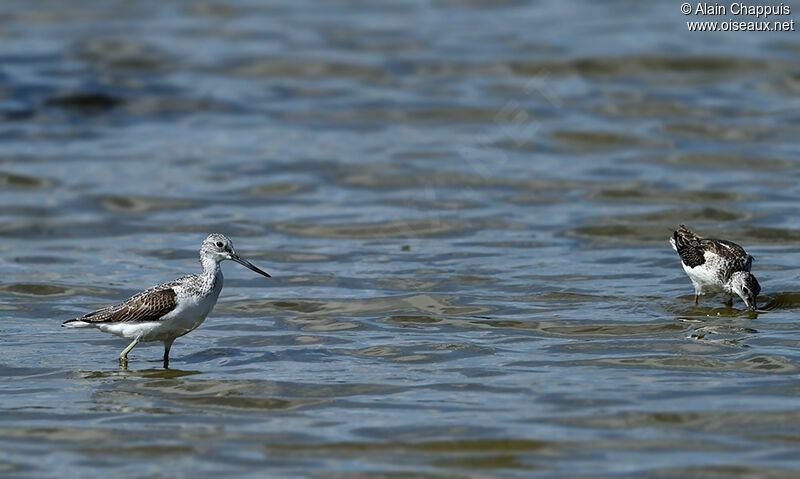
x: 168, y: 310
x: 716, y: 266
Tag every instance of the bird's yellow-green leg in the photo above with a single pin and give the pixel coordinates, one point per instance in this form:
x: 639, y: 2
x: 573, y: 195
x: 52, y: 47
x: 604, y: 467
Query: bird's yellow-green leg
x: 123, y: 356
x: 696, y: 298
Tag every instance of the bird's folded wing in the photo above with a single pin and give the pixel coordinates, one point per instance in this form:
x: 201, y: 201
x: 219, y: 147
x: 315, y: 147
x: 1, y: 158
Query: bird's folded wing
x: 732, y: 253
x: 147, y: 306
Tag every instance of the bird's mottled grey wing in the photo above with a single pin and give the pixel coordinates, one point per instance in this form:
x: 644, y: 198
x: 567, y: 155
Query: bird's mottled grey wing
x: 148, y: 305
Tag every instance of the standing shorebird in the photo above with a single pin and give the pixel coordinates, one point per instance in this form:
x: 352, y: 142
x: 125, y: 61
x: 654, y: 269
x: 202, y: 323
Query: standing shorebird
x: 168, y: 310
x: 716, y: 266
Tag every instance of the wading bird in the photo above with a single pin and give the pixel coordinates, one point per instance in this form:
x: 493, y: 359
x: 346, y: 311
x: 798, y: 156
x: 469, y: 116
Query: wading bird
x: 168, y: 310
x: 716, y: 266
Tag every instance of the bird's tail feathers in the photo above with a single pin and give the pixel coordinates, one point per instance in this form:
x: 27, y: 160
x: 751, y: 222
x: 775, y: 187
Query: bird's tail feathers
x: 75, y: 323
x: 687, y: 233
x: 683, y: 237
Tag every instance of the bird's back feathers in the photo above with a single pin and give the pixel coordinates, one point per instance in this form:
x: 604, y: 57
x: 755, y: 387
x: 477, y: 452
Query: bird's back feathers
x: 695, y: 250
x: 148, y: 305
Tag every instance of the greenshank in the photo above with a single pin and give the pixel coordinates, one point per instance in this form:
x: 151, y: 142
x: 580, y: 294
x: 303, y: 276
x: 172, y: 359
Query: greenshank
x: 168, y: 310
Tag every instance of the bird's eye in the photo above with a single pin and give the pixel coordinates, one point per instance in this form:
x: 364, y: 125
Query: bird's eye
x: 219, y: 244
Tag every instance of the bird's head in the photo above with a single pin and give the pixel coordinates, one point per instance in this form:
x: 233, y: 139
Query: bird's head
x: 218, y: 247
x: 746, y: 286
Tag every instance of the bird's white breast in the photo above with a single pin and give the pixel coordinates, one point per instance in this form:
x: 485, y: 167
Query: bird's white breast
x: 706, y: 277
x: 191, y: 310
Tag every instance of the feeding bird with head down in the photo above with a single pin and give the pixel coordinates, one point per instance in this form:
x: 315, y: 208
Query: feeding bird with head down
x: 168, y: 310
x: 716, y: 266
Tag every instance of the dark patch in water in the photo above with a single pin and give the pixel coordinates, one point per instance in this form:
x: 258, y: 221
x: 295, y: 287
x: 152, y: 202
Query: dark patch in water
x: 85, y: 103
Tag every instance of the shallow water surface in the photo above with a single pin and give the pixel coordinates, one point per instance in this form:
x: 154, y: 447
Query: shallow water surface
x: 464, y: 207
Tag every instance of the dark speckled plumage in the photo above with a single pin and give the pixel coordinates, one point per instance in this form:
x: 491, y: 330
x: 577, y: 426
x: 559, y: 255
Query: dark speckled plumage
x: 692, y: 250
x: 716, y: 265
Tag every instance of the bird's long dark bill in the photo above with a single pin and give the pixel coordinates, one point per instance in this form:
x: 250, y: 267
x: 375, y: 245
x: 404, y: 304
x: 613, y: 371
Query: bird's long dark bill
x: 248, y: 264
